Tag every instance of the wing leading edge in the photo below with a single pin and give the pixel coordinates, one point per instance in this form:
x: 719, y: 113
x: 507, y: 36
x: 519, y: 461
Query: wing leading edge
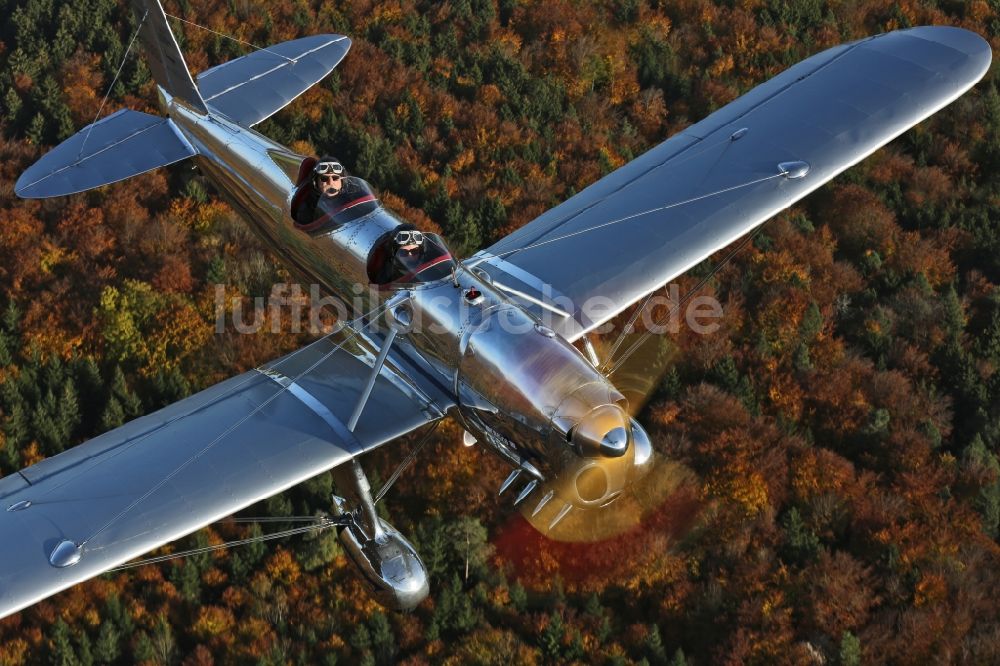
x: 197, y: 461
x: 831, y: 111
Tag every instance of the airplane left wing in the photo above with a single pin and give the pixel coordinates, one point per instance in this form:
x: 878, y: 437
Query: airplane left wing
x: 641, y: 226
x: 167, y: 474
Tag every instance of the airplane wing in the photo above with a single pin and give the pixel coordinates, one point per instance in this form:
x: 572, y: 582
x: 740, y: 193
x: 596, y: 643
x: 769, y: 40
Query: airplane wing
x: 602, y: 250
x: 251, y: 88
x: 170, y: 473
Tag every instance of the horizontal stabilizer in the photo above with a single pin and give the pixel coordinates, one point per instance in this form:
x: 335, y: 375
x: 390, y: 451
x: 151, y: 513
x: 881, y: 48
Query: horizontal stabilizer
x: 124, y: 144
x: 250, y: 89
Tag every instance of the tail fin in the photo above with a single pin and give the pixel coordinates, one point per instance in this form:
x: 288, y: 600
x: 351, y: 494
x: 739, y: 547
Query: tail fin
x: 164, y: 56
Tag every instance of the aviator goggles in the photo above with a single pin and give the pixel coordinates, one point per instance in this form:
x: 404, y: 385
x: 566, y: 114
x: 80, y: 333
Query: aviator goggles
x: 409, y: 238
x: 324, y: 168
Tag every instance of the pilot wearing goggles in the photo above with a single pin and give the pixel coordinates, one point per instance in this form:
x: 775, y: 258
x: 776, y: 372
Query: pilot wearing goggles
x: 328, y: 177
x: 331, y: 189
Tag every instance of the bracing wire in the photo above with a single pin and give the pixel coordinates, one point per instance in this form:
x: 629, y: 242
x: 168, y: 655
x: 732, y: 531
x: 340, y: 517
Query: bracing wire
x: 177, y: 470
x: 628, y: 326
x: 318, y: 524
x: 230, y: 37
x: 673, y: 162
x: 610, y: 369
x: 104, y: 101
x: 274, y: 519
x: 626, y: 218
x: 406, y: 463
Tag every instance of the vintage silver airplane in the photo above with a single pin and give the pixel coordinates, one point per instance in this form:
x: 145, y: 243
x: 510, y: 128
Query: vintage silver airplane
x: 497, y: 342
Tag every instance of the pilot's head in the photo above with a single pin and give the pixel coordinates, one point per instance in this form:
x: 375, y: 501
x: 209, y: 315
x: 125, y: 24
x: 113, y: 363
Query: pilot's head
x: 409, y: 249
x: 328, y: 177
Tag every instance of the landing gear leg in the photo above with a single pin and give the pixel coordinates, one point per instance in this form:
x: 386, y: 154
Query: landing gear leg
x: 357, y: 502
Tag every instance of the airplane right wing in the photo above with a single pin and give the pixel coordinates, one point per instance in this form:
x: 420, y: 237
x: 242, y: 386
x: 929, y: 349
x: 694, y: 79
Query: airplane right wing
x: 641, y: 226
x: 167, y: 474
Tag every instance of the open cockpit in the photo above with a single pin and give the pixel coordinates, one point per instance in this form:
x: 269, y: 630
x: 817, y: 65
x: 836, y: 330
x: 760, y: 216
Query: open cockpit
x: 327, y: 199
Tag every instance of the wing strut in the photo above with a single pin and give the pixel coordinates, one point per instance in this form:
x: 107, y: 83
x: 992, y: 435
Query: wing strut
x: 350, y: 479
x: 69, y: 552
x: 400, y: 321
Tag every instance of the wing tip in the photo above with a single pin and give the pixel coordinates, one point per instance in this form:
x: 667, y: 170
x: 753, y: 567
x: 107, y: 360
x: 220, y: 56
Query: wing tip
x: 963, y: 40
x: 25, y: 184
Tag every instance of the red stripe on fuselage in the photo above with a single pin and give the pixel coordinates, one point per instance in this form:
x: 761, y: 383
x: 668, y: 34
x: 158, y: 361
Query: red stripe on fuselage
x: 328, y: 216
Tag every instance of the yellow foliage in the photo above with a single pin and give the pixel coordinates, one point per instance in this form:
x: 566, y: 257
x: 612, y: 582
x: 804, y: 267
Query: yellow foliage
x: 500, y: 596
x: 490, y: 94
x: 657, y: 569
x: 784, y: 393
x: 214, y: 577
x: 302, y: 147
x: 772, y: 601
x: 31, y: 454
x: 212, y: 621
x: 52, y: 256
x: 387, y: 12
x: 485, y: 136
x: 613, y: 158
x: 13, y: 652
x: 659, y: 25
x: 195, y: 216
x: 722, y: 65
x: 464, y: 159
x: 509, y: 39
x: 53, y: 341
x: 780, y: 267
x: 978, y: 11
x: 931, y: 589
x: 153, y: 330
x: 442, y: 67
x: 282, y: 567
x: 623, y: 88
x: 92, y: 617
x: 137, y: 611
x: 749, y: 491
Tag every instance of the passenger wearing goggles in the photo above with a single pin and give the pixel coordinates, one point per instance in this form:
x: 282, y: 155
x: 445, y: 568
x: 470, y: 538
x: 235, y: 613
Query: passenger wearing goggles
x: 408, y: 256
x: 332, y: 192
x: 409, y: 251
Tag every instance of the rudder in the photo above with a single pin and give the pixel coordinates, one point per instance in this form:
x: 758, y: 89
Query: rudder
x: 163, y: 55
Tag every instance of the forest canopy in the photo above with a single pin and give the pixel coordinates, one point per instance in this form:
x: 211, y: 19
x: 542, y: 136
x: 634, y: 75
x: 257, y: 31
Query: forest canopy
x: 841, y: 424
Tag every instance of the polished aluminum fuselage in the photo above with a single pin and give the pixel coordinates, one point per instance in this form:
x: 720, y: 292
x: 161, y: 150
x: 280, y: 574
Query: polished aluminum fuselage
x: 519, y: 388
